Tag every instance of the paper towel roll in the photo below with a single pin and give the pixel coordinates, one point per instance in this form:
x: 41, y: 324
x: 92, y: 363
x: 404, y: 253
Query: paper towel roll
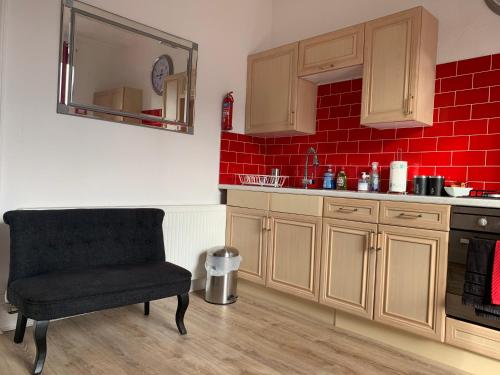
x: 398, y: 175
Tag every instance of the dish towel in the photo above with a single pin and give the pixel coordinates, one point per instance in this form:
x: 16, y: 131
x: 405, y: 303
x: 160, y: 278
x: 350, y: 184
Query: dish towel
x: 478, y: 278
x: 495, y: 278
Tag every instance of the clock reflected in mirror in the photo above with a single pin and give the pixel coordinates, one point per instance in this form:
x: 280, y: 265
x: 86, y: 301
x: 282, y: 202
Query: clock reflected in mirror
x: 162, y: 67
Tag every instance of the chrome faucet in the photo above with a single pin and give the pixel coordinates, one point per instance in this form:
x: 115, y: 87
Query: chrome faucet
x: 306, y: 180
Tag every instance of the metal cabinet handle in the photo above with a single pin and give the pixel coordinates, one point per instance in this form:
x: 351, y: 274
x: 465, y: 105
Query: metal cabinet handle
x: 372, y: 245
x: 347, y: 210
x: 407, y: 104
x: 464, y: 241
x: 327, y: 66
x: 292, y: 117
x: 268, y: 224
x: 264, y: 223
x: 404, y: 215
x: 379, y: 238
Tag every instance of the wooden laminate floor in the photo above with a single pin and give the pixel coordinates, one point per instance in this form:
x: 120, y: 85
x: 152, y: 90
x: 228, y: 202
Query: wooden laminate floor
x: 244, y: 338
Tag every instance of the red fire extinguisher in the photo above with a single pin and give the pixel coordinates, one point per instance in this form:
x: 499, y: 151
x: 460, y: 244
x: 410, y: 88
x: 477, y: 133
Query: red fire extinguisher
x: 227, y: 112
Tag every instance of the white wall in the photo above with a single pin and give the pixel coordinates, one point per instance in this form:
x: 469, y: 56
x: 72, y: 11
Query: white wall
x: 467, y: 28
x: 95, y: 69
x: 53, y: 160
x: 57, y: 160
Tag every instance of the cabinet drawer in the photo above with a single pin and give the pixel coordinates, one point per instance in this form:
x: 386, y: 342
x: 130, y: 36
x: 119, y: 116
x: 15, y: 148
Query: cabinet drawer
x: 352, y: 209
x: 249, y: 199
x: 473, y: 337
x: 415, y: 215
x: 297, y: 204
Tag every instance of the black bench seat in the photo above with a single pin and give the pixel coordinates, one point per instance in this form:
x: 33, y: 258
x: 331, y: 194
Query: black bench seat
x: 69, y: 262
x: 59, y: 294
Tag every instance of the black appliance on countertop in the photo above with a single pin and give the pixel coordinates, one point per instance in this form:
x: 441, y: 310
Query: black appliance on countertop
x: 468, y: 223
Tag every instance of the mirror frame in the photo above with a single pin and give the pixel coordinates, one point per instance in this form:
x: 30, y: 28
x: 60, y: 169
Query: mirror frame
x: 67, y: 106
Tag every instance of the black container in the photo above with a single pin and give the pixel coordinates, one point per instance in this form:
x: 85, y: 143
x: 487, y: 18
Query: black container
x: 435, y: 185
x: 420, y: 185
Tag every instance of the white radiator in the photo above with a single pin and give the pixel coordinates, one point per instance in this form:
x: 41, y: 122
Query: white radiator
x: 189, y: 232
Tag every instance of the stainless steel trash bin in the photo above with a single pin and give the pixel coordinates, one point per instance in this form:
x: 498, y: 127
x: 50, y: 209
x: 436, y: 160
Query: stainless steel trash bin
x: 222, y: 273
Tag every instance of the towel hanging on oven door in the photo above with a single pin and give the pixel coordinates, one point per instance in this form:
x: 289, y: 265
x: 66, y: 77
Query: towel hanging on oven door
x: 478, y: 278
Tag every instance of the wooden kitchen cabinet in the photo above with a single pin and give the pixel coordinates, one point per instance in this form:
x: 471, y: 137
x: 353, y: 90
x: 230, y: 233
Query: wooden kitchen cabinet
x: 364, y: 210
x: 294, y: 247
x: 416, y: 215
x: 277, y: 101
x: 124, y: 99
x: 473, y: 337
x: 399, y: 70
x: 335, y: 50
x: 348, y: 266
x: 246, y: 230
x: 411, y: 280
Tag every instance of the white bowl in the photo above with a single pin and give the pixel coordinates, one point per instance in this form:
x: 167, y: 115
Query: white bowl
x: 455, y: 191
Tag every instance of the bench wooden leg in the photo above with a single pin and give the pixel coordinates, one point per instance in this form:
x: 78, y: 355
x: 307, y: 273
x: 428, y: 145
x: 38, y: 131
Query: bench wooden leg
x: 146, y: 308
x: 40, y: 334
x: 20, y: 328
x: 182, y: 305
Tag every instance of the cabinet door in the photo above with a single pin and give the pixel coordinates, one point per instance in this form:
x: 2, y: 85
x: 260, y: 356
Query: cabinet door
x: 389, y: 67
x: 411, y: 279
x: 174, y: 96
x: 335, y: 50
x: 112, y: 99
x: 294, y: 252
x: 246, y: 230
x: 348, y: 266
x: 271, y: 90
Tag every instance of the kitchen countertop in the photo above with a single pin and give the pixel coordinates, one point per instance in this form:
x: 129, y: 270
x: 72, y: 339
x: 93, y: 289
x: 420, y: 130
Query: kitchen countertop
x: 473, y: 202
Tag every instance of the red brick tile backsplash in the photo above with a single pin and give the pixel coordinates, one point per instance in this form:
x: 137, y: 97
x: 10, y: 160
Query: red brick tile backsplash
x: 463, y: 144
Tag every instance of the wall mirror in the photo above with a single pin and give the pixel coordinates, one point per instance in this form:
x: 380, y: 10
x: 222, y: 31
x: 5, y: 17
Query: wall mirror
x: 115, y: 69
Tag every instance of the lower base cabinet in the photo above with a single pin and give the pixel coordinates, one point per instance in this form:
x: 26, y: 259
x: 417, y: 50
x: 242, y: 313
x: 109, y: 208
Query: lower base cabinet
x: 389, y: 273
x: 348, y: 266
x: 246, y: 230
x: 473, y: 337
x: 294, y: 254
x: 411, y: 280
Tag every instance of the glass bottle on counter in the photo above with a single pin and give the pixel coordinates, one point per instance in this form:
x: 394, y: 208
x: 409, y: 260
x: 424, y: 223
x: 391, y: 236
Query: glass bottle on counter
x: 341, y: 180
x: 374, y: 178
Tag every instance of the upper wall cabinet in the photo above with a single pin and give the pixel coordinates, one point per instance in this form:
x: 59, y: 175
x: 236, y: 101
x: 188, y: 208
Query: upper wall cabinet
x: 338, y: 49
x: 399, y: 70
x: 278, y: 102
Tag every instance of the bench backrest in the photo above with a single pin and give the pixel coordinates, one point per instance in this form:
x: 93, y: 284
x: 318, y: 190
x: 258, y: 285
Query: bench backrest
x: 43, y: 241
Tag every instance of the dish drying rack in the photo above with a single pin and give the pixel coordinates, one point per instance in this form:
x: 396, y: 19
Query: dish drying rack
x: 262, y: 180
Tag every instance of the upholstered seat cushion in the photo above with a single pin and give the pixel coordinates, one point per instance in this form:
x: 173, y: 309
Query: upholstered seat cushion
x: 59, y: 294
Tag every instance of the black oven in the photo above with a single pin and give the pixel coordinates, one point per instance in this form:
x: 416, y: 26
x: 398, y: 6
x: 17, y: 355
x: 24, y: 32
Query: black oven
x: 467, y: 223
